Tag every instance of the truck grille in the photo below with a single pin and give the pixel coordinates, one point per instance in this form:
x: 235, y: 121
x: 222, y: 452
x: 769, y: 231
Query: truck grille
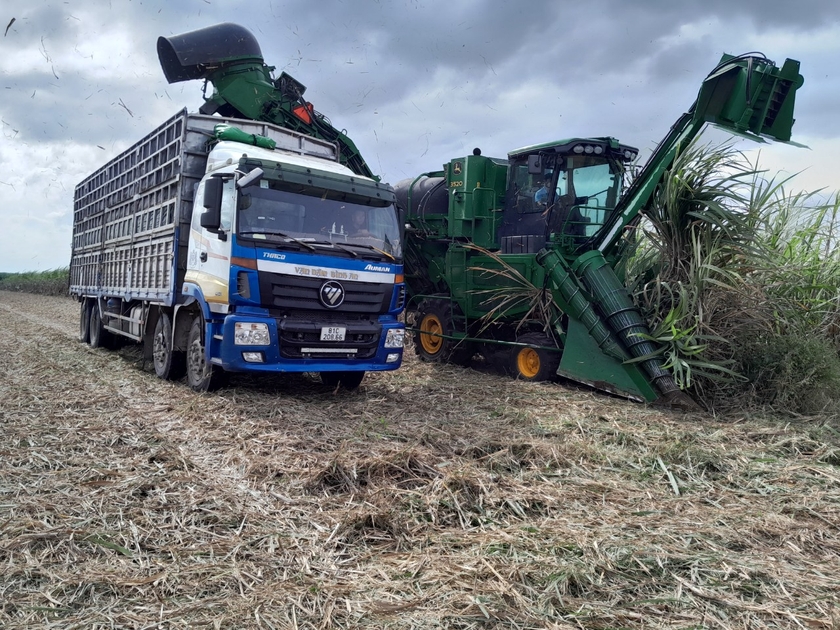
x: 295, y: 293
x: 301, y: 338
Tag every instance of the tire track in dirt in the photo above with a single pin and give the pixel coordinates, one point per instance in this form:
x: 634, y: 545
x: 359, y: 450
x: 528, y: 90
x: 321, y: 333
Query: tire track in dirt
x: 141, y: 401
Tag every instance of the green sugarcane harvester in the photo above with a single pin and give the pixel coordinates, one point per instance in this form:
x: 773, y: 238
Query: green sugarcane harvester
x: 483, y: 256
x: 481, y: 252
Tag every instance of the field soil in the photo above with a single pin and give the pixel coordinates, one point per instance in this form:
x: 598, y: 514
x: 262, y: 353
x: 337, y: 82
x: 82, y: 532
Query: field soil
x: 431, y: 497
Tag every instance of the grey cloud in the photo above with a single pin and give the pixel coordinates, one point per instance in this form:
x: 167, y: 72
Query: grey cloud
x: 73, y: 108
x: 415, y: 82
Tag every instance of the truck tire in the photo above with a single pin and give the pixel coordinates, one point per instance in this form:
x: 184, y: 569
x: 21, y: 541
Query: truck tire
x: 201, y: 375
x: 435, y: 324
x: 84, y: 321
x: 98, y: 336
x: 532, y: 362
x: 347, y: 380
x: 170, y: 364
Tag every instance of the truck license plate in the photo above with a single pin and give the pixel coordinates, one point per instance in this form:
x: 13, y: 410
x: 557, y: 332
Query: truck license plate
x: 332, y: 333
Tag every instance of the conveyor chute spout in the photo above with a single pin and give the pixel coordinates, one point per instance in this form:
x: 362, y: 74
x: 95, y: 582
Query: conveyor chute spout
x: 196, y: 54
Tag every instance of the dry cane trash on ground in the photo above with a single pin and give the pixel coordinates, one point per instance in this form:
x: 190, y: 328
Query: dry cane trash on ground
x: 432, y: 497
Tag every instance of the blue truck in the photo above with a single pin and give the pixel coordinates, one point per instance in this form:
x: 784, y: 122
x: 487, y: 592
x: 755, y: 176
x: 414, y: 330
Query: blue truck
x: 225, y: 244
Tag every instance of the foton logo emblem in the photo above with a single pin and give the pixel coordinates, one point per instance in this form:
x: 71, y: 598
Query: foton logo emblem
x: 377, y: 268
x: 331, y: 294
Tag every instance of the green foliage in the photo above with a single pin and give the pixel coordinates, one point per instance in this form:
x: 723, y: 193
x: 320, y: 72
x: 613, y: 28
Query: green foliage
x: 696, y: 214
x: 52, y: 282
x: 694, y: 229
x: 684, y: 350
x: 740, y: 282
x: 801, y: 270
x: 795, y: 371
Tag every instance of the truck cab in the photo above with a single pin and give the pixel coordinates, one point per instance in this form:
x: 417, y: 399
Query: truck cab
x: 299, y: 263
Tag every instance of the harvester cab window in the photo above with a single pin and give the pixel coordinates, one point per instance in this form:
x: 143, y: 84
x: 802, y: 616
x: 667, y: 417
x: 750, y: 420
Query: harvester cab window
x: 522, y: 188
x: 543, y: 194
x: 596, y: 188
x: 526, y: 203
x: 529, y: 190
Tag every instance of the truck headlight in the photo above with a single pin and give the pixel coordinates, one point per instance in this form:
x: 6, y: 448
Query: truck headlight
x: 251, y: 334
x: 395, y: 338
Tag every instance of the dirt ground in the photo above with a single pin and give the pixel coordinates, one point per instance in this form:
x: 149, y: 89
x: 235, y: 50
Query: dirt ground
x: 432, y: 497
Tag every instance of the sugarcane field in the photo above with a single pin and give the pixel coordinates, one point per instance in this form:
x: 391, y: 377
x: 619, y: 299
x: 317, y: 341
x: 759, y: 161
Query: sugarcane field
x: 432, y: 496
x: 411, y: 315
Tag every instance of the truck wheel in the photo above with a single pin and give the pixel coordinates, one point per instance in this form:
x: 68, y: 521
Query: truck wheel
x: 170, y: 364
x: 201, y: 376
x: 98, y: 336
x: 348, y: 380
x: 84, y: 322
x: 435, y: 323
x: 533, y: 363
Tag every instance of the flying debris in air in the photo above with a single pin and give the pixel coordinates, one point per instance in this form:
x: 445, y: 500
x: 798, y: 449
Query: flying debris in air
x: 8, y: 26
x: 123, y: 105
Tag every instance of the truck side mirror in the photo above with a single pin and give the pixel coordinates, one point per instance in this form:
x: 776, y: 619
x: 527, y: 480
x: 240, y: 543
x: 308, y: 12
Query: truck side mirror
x: 535, y: 166
x: 211, y: 218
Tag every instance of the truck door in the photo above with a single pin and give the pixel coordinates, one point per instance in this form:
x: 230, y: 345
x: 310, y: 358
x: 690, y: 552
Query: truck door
x: 208, y: 263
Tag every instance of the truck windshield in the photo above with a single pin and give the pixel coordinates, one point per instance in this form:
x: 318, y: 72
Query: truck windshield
x: 286, y: 217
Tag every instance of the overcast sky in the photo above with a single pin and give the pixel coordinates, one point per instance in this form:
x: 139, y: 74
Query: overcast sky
x: 414, y: 82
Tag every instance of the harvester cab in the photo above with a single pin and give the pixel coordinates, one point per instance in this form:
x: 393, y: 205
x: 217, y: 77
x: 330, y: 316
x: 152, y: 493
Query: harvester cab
x: 516, y: 258
x: 560, y: 193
